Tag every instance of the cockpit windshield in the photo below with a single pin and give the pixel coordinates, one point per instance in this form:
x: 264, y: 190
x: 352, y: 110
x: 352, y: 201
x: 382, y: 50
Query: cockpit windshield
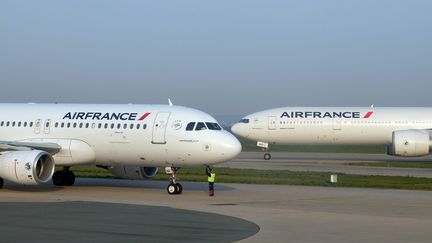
x: 203, y: 126
x: 213, y: 126
x: 244, y: 120
x: 190, y: 126
x: 200, y: 126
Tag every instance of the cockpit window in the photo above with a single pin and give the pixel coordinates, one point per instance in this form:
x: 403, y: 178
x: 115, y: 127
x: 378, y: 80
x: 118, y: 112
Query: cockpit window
x: 190, y: 126
x: 213, y: 126
x: 200, y: 126
x: 244, y: 120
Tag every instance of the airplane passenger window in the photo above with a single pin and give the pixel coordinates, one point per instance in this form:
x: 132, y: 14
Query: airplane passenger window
x: 244, y: 120
x: 138, y: 126
x: 13, y: 124
x: 80, y: 125
x: 200, y: 126
x: 7, y: 124
x: 100, y: 125
x: 25, y: 124
x: 106, y: 125
x: 144, y: 126
x: 56, y: 124
x: 68, y: 124
x: 124, y: 126
x: 2, y: 123
x: 118, y: 126
x: 19, y: 124
x: 62, y: 124
x: 131, y: 126
x: 213, y: 126
x: 112, y: 125
x: 74, y: 125
x: 190, y: 126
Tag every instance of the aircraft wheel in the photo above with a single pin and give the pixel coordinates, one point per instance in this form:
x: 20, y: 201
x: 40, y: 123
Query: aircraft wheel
x: 1, y: 182
x: 179, y: 188
x: 58, y: 178
x: 267, y: 156
x: 69, y: 178
x: 172, y: 189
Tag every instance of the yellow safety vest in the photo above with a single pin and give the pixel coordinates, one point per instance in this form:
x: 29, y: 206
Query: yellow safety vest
x: 212, y: 177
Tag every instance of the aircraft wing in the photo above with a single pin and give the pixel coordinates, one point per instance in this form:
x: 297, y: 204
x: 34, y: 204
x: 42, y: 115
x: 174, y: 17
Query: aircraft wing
x: 51, y: 148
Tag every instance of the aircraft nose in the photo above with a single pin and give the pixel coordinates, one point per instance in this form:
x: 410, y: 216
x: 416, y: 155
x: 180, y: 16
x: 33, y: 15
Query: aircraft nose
x: 232, y: 146
x: 239, y: 130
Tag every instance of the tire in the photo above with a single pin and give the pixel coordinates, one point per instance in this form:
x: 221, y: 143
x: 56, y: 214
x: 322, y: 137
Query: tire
x: 58, y: 178
x: 179, y: 188
x: 1, y: 182
x: 69, y: 178
x: 172, y: 189
x: 267, y: 156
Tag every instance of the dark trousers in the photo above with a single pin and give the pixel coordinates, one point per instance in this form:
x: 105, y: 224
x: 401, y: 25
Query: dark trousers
x: 211, y: 186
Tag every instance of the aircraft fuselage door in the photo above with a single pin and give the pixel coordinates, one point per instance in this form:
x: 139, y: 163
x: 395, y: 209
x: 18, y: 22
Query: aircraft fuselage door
x: 272, y: 122
x: 337, y: 123
x: 47, y: 126
x: 159, y: 128
x: 37, y: 126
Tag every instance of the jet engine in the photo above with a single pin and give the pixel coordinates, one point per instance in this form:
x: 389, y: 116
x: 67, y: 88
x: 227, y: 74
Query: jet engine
x: 27, y: 167
x: 133, y: 172
x: 410, y: 143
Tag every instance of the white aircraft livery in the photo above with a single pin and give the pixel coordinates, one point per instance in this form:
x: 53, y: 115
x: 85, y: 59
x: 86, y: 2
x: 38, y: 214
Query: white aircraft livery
x: 405, y: 131
x: 131, y: 141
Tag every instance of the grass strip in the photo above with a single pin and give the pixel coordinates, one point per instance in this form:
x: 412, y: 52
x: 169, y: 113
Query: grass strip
x: 280, y: 177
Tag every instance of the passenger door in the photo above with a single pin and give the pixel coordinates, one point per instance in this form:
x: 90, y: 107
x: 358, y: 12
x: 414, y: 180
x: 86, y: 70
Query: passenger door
x: 337, y: 123
x: 272, y: 123
x: 159, y: 128
x: 37, y: 126
x: 47, y: 126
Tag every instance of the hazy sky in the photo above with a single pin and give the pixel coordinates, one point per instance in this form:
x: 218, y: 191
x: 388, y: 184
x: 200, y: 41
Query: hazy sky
x: 229, y: 57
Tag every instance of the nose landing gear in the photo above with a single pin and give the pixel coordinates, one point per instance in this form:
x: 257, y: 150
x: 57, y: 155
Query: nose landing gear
x: 265, y: 147
x: 173, y: 187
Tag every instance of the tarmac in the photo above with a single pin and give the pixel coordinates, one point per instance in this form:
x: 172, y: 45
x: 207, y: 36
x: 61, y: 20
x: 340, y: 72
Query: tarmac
x: 113, y: 210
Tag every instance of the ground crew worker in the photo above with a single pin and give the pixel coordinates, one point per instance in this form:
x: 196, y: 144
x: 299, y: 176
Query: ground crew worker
x: 211, y: 176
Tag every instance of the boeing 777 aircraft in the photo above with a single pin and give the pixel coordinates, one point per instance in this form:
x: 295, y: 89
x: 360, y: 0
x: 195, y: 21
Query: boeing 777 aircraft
x: 405, y: 131
x: 131, y: 141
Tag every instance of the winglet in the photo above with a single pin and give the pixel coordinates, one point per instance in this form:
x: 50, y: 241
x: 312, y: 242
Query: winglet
x: 169, y: 102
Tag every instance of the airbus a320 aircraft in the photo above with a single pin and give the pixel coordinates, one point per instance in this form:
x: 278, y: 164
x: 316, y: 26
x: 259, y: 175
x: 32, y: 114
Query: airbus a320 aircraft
x: 405, y: 131
x: 131, y: 141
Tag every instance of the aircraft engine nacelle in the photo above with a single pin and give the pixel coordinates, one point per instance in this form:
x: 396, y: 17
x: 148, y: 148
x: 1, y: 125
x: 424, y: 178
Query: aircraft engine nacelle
x: 410, y: 143
x: 133, y: 172
x: 27, y: 167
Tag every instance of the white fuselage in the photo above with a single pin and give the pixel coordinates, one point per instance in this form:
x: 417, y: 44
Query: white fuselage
x: 331, y: 125
x: 142, y: 135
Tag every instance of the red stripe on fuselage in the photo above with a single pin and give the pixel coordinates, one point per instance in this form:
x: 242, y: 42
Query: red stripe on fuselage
x: 369, y: 114
x: 144, y: 116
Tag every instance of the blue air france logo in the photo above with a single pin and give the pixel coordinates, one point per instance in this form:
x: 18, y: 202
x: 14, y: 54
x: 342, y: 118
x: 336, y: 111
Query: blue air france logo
x: 126, y: 116
x: 318, y: 114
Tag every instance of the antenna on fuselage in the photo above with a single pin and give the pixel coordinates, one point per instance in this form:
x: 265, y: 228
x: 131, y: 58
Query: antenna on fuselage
x: 372, y: 106
x: 169, y: 102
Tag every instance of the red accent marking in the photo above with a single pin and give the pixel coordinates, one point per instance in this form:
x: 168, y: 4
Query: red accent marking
x: 369, y: 114
x: 144, y: 116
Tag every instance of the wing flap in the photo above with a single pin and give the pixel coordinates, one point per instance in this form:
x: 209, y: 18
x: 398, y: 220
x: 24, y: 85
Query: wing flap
x: 51, y: 148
